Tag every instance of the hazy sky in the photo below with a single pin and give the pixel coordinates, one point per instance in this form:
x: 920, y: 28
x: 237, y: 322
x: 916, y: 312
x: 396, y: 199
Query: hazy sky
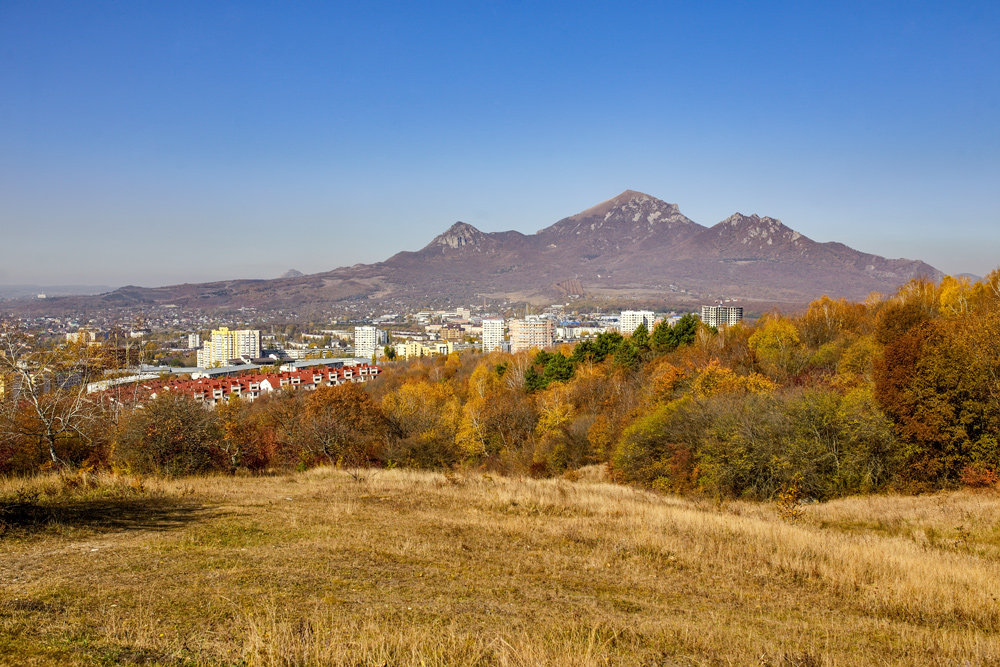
x: 162, y: 142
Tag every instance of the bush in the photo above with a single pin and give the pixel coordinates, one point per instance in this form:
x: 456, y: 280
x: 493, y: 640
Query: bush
x: 247, y: 441
x: 172, y: 434
x: 424, y: 418
x: 344, y: 426
x: 980, y: 476
x: 658, y: 449
x: 739, y: 443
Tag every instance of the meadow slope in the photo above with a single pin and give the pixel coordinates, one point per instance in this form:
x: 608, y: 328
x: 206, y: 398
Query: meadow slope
x: 404, y: 567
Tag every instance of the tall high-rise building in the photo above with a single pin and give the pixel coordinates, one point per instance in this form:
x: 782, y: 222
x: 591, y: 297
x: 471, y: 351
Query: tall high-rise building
x: 531, y: 332
x: 717, y: 316
x: 366, y: 341
x: 630, y: 320
x: 226, y: 344
x: 492, y: 334
x: 194, y: 340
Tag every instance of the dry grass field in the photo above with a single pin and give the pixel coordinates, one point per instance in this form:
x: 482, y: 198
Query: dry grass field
x: 413, y: 568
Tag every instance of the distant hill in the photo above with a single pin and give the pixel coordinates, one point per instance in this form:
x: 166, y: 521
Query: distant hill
x: 292, y: 273
x: 32, y: 291
x: 631, y: 246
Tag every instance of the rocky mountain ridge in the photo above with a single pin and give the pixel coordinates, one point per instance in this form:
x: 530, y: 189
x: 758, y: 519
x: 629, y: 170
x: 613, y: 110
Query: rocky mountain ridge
x: 633, y: 246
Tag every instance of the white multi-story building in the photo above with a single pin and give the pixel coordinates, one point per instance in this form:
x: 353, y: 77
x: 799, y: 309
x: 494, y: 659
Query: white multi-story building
x: 718, y: 316
x: 531, y: 332
x: 84, y: 335
x: 194, y: 340
x: 493, y: 329
x: 574, y: 332
x: 366, y: 341
x: 225, y: 345
x: 630, y: 320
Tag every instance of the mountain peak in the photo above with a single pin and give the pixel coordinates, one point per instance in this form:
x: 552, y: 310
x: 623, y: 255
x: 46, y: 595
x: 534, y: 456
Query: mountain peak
x: 631, y: 211
x: 754, y: 228
x: 458, y: 235
x: 628, y: 195
x: 630, y: 199
x: 292, y: 273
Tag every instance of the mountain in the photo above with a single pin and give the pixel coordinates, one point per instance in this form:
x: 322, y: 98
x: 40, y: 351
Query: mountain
x: 633, y: 246
x: 291, y: 273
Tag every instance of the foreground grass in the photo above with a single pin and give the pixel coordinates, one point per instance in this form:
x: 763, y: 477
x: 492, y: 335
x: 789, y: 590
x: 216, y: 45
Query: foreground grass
x: 401, y: 567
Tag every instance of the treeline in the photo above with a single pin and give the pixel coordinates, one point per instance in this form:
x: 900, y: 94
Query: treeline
x: 897, y: 392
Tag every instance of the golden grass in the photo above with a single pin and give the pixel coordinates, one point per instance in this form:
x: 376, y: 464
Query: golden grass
x: 405, y: 567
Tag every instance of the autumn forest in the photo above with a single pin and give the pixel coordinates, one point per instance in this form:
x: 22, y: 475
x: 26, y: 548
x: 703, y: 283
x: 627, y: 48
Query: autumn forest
x: 899, y: 392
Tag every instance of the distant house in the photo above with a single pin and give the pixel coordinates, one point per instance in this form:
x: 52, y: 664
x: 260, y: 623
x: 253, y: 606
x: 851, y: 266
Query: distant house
x: 251, y: 386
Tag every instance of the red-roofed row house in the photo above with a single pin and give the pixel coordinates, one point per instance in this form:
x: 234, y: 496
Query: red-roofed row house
x: 251, y: 386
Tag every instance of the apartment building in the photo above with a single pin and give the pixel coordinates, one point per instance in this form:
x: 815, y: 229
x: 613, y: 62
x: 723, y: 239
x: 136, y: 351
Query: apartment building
x: 84, y: 335
x: 250, y: 386
x: 415, y: 349
x: 719, y: 316
x: 368, y: 340
x: 453, y: 332
x: 531, y: 332
x: 630, y: 320
x: 225, y: 344
x: 493, y: 330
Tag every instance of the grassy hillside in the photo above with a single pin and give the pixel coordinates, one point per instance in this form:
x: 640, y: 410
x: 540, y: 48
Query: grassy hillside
x: 403, y: 567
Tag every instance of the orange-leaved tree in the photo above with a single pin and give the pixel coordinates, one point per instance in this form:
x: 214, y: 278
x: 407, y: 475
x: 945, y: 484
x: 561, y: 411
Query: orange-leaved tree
x: 344, y: 426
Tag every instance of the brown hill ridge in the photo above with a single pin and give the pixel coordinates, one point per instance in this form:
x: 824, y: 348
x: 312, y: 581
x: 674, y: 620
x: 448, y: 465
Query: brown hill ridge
x: 633, y: 245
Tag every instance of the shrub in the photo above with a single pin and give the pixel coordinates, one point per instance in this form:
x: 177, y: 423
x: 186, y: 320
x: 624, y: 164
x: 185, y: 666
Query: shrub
x: 344, y: 425
x: 172, y: 434
x: 659, y: 447
x: 247, y: 442
x: 424, y: 417
x: 979, y: 475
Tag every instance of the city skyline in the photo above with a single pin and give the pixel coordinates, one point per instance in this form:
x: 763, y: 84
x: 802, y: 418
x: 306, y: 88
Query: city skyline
x: 183, y: 143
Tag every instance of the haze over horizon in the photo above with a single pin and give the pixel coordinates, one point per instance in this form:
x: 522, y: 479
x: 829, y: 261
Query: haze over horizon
x: 162, y: 144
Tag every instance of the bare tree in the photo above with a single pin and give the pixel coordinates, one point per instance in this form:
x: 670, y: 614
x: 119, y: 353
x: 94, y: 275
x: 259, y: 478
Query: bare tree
x: 122, y: 359
x: 45, y: 388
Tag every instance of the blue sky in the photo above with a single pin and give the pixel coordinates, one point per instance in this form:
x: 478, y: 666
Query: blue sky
x: 161, y: 142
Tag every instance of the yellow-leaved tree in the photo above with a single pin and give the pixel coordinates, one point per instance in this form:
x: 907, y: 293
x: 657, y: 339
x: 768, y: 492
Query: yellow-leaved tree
x: 497, y: 421
x: 424, y: 416
x: 717, y: 379
x: 555, y: 448
x: 777, y: 346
